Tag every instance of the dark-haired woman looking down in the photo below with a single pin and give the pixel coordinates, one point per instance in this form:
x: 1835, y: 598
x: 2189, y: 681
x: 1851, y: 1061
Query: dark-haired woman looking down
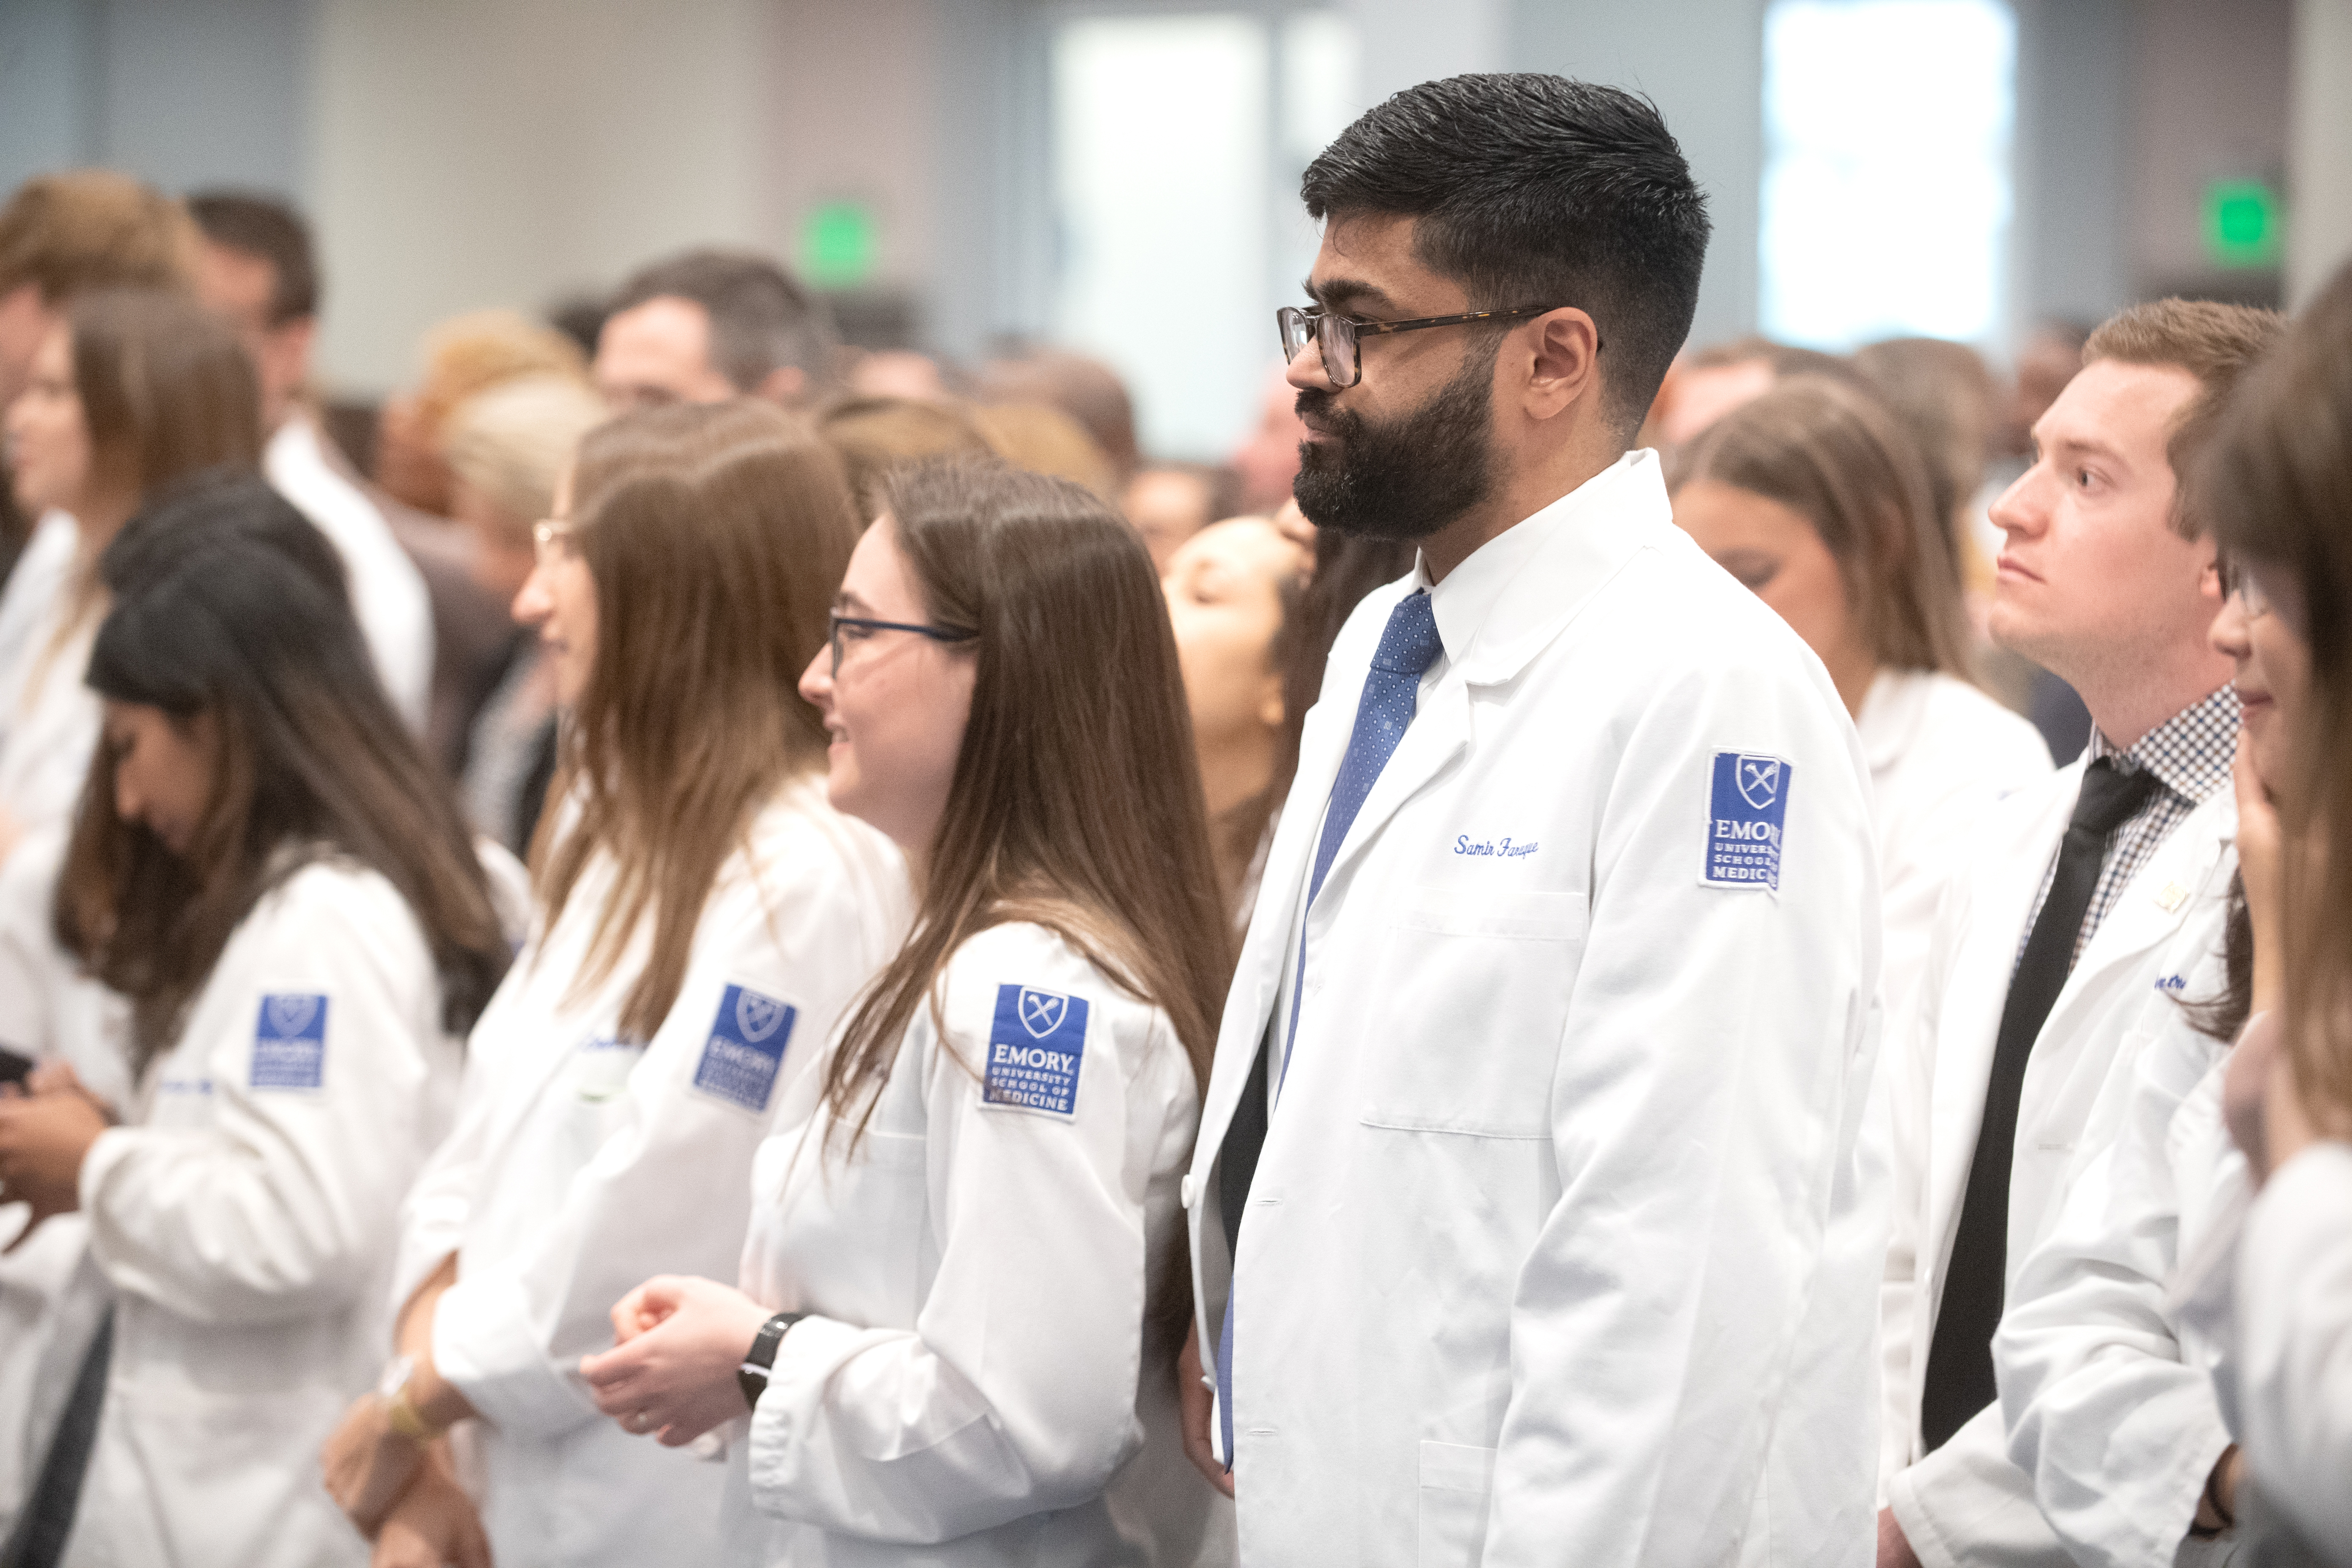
x: 964, y: 1289
x: 268, y: 868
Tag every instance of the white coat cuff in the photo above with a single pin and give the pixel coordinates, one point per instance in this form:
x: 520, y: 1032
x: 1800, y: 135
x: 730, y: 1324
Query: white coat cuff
x: 483, y: 1344
x: 105, y: 1157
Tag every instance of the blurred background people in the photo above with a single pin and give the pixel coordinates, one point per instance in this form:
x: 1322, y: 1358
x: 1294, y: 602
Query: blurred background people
x: 1086, y: 389
x: 60, y: 236
x: 1268, y: 459
x: 416, y: 487
x: 875, y: 434
x: 131, y: 389
x: 1044, y: 439
x: 507, y: 448
x: 1168, y: 503
x: 709, y: 325
x: 1813, y: 497
x: 1234, y: 591
x: 1706, y: 386
x: 256, y: 266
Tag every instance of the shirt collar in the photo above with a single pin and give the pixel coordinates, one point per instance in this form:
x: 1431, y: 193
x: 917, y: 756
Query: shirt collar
x: 1464, y: 601
x: 2189, y: 753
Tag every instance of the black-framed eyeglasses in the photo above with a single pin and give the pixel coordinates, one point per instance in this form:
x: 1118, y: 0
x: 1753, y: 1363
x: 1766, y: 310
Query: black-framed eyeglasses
x: 1335, y: 335
x: 863, y: 628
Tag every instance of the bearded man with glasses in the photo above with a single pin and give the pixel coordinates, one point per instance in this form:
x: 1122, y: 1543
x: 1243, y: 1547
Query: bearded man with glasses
x: 1540, y: 1081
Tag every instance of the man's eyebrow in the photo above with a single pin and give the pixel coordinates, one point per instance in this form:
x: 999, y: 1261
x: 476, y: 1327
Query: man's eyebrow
x: 845, y: 600
x: 2084, y: 446
x: 1339, y: 293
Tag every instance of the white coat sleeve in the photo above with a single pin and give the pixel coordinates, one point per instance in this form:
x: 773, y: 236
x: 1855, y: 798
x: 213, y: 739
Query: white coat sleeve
x: 1016, y: 1392
x: 668, y: 1191
x: 2295, y: 1323
x: 2117, y: 1433
x: 274, y: 1209
x: 1896, y: 1136
x: 1714, y: 1071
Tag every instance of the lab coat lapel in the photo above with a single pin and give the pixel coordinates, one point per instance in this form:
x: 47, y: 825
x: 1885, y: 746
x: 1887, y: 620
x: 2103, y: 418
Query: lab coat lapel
x: 1977, y: 993
x: 1257, y: 977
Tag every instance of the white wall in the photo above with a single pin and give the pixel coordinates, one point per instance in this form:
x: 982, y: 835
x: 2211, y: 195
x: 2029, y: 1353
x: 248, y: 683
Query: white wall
x: 2319, y: 149
x: 1703, y: 62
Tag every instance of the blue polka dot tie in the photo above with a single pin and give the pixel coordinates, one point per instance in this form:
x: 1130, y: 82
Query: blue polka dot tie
x: 1408, y: 647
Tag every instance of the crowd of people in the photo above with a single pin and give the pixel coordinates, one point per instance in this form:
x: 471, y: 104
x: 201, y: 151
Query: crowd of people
x: 687, y: 944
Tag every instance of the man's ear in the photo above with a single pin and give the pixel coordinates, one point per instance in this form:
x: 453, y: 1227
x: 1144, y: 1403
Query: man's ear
x: 1561, y: 362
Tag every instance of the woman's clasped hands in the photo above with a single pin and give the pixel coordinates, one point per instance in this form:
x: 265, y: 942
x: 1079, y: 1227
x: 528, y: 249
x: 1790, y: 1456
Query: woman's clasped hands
x: 678, y: 1343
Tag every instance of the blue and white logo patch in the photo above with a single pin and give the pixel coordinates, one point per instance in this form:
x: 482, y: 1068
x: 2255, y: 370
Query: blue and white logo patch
x: 290, y: 1042
x: 745, y: 1048
x: 1748, y: 806
x: 1034, y: 1046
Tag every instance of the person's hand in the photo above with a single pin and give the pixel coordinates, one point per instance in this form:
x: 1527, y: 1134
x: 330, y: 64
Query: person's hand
x: 2261, y: 851
x: 1894, y: 1546
x: 1196, y: 1409
x: 434, y: 1524
x: 44, y: 1138
x: 369, y: 1466
x: 671, y: 1372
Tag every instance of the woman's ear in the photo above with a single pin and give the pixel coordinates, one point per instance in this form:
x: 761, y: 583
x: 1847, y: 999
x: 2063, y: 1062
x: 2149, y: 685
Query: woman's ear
x: 1271, y: 710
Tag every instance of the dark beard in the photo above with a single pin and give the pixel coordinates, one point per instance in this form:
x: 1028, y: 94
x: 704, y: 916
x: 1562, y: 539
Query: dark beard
x: 1407, y: 478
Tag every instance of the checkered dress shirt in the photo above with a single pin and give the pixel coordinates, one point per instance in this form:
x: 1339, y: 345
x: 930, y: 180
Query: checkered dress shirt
x: 2189, y: 753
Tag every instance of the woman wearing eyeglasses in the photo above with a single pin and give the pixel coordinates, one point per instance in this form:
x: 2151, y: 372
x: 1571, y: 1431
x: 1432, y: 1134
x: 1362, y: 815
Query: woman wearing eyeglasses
x: 963, y: 1292
x: 703, y: 918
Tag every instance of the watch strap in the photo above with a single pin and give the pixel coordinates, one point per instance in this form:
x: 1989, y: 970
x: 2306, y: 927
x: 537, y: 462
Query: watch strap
x: 403, y: 1417
x: 760, y: 1359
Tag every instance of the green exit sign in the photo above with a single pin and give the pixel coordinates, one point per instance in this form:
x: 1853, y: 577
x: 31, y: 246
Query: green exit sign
x: 840, y: 244
x: 2242, y: 224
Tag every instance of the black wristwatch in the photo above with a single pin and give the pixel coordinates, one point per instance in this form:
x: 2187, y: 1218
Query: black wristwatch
x: 752, y: 1377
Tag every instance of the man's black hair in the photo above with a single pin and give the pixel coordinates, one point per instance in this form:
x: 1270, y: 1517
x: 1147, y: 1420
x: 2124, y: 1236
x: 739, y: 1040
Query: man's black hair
x: 264, y: 227
x: 760, y: 319
x: 1536, y: 190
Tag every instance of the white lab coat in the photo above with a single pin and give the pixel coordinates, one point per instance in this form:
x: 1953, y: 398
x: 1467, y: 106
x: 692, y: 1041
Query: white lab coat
x: 2294, y: 1319
x: 987, y: 1376
x: 2106, y: 1395
x: 1941, y: 754
x: 52, y: 717
x: 1966, y: 1501
x: 244, y: 1218
x: 582, y: 1165
x: 46, y: 559
x: 1556, y: 1248
x: 49, y: 1305
x: 388, y: 594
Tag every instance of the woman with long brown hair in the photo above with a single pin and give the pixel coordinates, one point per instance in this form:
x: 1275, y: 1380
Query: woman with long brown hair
x: 1814, y: 498
x: 964, y: 1287
x: 2278, y: 486
x: 135, y: 389
x: 703, y: 916
x: 268, y: 868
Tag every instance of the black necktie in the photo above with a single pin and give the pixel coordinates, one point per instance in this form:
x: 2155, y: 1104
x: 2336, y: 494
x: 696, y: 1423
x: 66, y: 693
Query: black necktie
x: 1959, y: 1379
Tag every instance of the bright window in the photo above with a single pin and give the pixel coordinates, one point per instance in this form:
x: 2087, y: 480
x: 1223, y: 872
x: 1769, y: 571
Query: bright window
x: 1887, y: 189
x: 1177, y: 142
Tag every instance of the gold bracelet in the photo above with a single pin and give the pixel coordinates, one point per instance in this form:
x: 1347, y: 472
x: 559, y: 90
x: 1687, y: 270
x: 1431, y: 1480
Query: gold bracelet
x: 404, y: 1418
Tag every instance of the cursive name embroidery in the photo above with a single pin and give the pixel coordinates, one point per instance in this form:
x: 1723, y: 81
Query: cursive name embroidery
x: 1496, y: 848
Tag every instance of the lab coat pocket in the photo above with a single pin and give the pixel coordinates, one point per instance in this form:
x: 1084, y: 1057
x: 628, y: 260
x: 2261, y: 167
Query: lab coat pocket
x: 1456, y: 1481
x: 1466, y: 1040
